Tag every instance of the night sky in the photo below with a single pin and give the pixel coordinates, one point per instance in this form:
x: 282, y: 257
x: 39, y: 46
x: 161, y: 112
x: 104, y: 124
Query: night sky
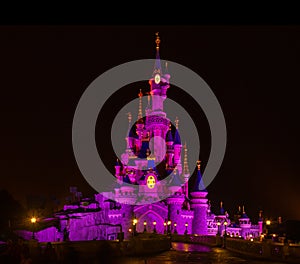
x: 252, y: 70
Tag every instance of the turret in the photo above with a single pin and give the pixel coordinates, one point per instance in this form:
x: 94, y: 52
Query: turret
x: 170, y: 151
x: 118, y: 169
x: 245, y: 224
x: 199, y: 205
x: 175, y: 203
x: 177, y: 145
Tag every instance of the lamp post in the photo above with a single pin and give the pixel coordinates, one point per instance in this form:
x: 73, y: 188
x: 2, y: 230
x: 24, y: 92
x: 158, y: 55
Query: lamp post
x: 165, y: 227
x: 218, y: 224
x: 268, y: 223
x: 154, y: 229
x: 225, y: 224
x: 134, y: 222
x: 169, y: 224
x: 33, y: 221
x: 175, y: 228
x: 145, y: 224
x: 186, y: 228
x: 225, y: 235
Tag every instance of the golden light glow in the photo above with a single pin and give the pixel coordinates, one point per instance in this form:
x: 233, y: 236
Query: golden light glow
x: 33, y: 220
x: 175, y: 224
x: 154, y: 223
x: 165, y: 223
x: 225, y: 223
x: 169, y: 222
x: 218, y: 223
x: 186, y: 224
x: 130, y: 230
x: 157, y: 78
x: 145, y: 223
x: 135, y: 221
x: 251, y: 239
x: 151, y: 182
x: 268, y: 222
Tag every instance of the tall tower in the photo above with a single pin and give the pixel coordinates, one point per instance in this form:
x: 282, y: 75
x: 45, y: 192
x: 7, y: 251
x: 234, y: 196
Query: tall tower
x: 199, y: 205
x: 260, y: 222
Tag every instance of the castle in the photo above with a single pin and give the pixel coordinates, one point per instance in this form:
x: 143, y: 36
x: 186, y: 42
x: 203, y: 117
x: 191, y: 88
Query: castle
x: 135, y: 204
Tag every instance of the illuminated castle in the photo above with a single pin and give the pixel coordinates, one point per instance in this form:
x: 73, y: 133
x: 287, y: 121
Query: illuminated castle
x: 135, y: 203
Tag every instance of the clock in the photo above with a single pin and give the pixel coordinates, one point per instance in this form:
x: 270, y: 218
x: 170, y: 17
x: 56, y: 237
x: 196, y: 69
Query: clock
x: 151, y: 182
x: 157, y: 78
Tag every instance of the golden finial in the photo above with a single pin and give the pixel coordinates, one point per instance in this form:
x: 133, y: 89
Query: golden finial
x: 157, y: 41
x: 198, y: 164
x: 140, y: 114
x: 129, y: 117
x: 176, y: 122
x: 243, y: 209
x: 221, y: 204
x: 140, y: 94
x: 260, y: 213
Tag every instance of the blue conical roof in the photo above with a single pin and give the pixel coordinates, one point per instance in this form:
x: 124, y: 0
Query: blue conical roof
x: 169, y: 137
x: 199, y: 185
x: 177, y: 139
x: 126, y: 179
x: 176, y: 180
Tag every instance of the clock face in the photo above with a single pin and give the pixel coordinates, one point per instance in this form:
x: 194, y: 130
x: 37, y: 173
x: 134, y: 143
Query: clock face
x: 151, y: 182
x: 157, y: 78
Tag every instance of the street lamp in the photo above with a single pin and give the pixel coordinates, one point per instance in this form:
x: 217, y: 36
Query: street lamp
x: 186, y: 228
x: 134, y: 225
x: 154, y: 224
x: 268, y: 223
x: 33, y: 221
x: 165, y: 227
x: 145, y: 224
x: 218, y: 224
x: 175, y: 228
x: 169, y: 224
x: 225, y: 224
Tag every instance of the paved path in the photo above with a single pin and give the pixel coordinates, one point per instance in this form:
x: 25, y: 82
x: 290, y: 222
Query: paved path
x: 192, y: 253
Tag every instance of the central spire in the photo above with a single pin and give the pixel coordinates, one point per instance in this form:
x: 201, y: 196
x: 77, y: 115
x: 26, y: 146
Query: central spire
x: 157, y: 66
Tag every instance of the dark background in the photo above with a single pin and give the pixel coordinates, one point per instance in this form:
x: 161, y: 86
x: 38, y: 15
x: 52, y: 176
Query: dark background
x: 253, y: 71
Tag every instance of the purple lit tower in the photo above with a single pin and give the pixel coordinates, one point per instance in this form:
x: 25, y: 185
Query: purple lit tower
x: 199, y: 205
x: 138, y: 201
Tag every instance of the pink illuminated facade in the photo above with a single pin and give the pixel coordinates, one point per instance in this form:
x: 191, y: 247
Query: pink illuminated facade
x: 151, y: 140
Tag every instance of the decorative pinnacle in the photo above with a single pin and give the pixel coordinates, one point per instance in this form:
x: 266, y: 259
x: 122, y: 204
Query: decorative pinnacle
x: 176, y: 122
x: 221, y: 204
x: 140, y: 114
x: 243, y: 209
x: 129, y: 117
x: 260, y: 214
x: 157, y: 41
x: 148, y: 97
x: 185, y: 161
x: 198, y: 164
